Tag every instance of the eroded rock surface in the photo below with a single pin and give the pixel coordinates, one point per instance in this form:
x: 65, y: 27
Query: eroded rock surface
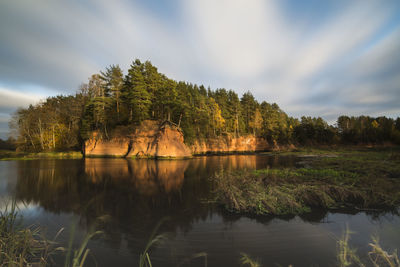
x: 148, y: 140
x: 117, y: 147
x: 151, y: 139
x: 230, y: 144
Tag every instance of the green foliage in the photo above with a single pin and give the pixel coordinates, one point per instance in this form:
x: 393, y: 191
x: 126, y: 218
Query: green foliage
x: 314, y: 131
x: 144, y: 260
x: 77, y: 257
x: 138, y: 99
x: 365, y: 129
x: 114, y: 82
x: 110, y: 99
x: 51, y: 125
x: 249, y: 106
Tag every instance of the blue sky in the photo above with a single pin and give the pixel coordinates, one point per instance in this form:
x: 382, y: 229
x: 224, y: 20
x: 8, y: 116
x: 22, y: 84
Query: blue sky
x: 314, y: 58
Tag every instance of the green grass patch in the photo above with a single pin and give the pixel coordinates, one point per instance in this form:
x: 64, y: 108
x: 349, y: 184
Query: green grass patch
x: 13, y: 155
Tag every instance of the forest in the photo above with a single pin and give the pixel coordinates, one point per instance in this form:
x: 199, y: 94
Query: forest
x: 112, y: 99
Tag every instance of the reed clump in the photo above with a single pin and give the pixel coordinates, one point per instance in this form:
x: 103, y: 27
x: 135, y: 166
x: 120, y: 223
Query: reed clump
x: 27, y: 246
x: 330, y: 183
x: 246, y: 259
x: 377, y: 256
x: 21, y: 246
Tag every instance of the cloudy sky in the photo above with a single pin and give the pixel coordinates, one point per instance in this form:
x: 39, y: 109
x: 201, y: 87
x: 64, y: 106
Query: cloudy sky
x: 316, y: 58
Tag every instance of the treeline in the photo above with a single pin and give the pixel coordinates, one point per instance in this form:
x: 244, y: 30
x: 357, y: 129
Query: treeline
x: 111, y: 99
x: 8, y: 144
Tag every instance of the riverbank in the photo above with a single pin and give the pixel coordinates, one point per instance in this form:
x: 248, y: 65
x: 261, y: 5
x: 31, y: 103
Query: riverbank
x: 364, y: 179
x: 13, y: 155
x: 312, y: 151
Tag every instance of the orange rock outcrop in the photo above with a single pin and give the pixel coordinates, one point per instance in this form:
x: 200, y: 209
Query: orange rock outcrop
x: 117, y: 147
x: 148, y: 140
x: 230, y: 144
x: 166, y: 140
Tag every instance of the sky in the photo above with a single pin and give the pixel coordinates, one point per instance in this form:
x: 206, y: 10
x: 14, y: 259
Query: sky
x: 311, y: 57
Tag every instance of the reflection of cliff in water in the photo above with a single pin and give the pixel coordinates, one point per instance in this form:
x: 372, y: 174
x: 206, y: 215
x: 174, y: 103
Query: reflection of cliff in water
x: 76, y: 185
x: 147, y: 177
x: 133, y: 194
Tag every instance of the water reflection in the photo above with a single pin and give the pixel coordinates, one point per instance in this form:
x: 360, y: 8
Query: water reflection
x: 147, y: 177
x: 134, y: 195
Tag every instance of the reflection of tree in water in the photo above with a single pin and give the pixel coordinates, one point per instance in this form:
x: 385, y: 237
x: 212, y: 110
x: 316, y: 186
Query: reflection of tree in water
x: 134, y: 194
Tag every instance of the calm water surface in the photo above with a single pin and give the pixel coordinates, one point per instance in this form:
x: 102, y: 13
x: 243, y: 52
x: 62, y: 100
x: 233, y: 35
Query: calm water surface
x: 126, y: 199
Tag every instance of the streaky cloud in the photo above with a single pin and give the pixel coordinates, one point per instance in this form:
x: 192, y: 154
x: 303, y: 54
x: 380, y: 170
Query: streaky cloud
x: 346, y: 61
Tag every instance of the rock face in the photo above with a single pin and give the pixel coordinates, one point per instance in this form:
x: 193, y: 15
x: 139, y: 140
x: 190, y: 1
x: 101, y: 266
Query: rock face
x: 230, y: 144
x: 148, y: 140
x: 151, y: 139
x: 116, y: 147
x: 158, y: 141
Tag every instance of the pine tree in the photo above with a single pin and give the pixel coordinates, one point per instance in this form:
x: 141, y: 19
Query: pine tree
x: 249, y: 105
x: 257, y: 121
x: 138, y: 98
x: 166, y: 99
x: 114, y: 82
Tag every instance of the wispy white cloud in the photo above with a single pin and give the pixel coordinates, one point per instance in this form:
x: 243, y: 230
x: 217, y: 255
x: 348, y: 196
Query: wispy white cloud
x: 12, y: 99
x: 237, y: 38
x: 344, y: 63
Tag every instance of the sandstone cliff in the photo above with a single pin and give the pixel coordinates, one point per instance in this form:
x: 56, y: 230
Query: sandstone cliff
x: 148, y: 140
x: 117, y: 147
x: 158, y: 141
x: 229, y: 144
x: 166, y: 140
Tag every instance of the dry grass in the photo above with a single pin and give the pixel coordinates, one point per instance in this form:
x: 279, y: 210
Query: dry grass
x: 245, y: 259
x: 22, y: 246
x: 378, y: 257
x: 361, y: 181
x: 27, y: 246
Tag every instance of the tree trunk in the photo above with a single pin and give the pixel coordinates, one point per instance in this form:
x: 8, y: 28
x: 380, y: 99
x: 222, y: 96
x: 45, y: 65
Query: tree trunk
x: 130, y: 114
x: 237, y: 124
x: 54, y: 140
x: 105, y: 130
x: 41, y: 134
x: 180, y: 118
x: 30, y: 137
x: 117, y: 108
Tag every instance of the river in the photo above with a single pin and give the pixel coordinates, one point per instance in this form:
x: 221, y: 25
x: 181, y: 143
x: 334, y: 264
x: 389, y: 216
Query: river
x: 127, y: 199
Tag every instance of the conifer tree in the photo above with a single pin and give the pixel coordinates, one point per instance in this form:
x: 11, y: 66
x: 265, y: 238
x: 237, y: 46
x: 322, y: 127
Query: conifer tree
x: 138, y: 98
x: 113, y: 78
x: 249, y: 105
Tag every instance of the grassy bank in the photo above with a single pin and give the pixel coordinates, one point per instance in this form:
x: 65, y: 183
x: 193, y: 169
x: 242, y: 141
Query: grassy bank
x: 360, y: 179
x: 333, y: 150
x: 13, y: 155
